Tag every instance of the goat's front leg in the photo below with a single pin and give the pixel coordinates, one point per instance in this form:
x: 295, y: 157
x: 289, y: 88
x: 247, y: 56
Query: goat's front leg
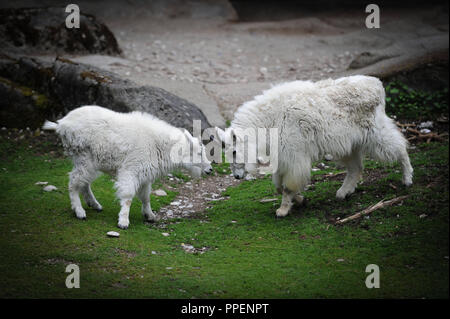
x: 286, y: 203
x: 74, y: 192
x: 144, y: 196
x: 90, y: 198
x: 354, y: 164
x: 124, y: 213
x: 125, y: 192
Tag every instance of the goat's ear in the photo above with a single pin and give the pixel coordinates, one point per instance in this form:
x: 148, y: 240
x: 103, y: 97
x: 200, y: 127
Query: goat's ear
x: 233, y: 136
x: 220, y: 134
x: 262, y: 161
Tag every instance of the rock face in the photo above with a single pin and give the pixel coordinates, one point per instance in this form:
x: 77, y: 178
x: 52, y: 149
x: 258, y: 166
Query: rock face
x: 20, y: 106
x: 424, y: 75
x: 44, y: 30
x: 367, y: 58
x: 53, y: 88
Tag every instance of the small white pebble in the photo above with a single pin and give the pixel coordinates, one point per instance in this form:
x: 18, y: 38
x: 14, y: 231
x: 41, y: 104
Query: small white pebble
x: 160, y: 192
x: 50, y: 188
x: 113, y: 234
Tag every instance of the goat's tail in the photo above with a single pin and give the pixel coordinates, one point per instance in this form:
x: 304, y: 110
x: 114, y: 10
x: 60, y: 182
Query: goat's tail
x: 50, y: 126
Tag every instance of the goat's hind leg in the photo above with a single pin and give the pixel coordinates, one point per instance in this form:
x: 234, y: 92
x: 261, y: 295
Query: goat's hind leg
x: 89, y: 198
x: 398, y: 152
x: 392, y: 146
x: 406, y: 167
x: 76, y: 182
x: 144, y: 196
x: 90, y: 175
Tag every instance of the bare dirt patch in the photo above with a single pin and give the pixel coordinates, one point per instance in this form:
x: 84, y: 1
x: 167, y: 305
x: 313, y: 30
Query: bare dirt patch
x: 197, y: 195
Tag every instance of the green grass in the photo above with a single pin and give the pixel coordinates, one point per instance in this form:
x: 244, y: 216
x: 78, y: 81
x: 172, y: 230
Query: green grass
x: 251, y: 254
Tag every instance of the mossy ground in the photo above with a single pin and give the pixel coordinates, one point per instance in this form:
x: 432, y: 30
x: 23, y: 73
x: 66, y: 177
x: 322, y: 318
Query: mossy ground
x: 251, y: 254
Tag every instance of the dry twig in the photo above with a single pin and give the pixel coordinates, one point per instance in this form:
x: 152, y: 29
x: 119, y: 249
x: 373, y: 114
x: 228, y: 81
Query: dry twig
x: 372, y: 208
x: 333, y: 174
x: 416, y: 135
x: 405, y: 125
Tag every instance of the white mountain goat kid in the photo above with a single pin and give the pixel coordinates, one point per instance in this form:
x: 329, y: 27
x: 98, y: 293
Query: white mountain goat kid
x: 343, y: 117
x: 136, y: 148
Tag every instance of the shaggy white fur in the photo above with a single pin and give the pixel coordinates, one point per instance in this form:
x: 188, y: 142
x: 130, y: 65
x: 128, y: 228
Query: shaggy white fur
x: 343, y: 117
x: 136, y: 148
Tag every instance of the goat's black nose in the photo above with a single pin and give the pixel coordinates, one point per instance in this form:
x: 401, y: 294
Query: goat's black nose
x: 237, y: 176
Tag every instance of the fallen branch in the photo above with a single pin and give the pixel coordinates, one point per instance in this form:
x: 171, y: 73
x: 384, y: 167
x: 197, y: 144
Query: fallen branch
x: 334, y: 174
x: 413, y: 131
x: 268, y: 200
x: 406, y: 124
x: 428, y: 136
x: 372, y: 208
x: 418, y: 135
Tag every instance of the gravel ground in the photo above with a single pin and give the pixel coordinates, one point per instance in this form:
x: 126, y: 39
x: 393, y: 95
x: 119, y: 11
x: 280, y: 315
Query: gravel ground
x: 219, y: 64
x: 196, y: 52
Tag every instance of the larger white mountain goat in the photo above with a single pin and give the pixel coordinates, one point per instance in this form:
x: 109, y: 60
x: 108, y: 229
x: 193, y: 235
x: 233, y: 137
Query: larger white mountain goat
x: 136, y: 148
x: 343, y: 117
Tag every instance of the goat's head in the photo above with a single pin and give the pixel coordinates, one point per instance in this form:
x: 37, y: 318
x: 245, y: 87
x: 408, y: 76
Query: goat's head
x: 194, y: 158
x: 230, y: 139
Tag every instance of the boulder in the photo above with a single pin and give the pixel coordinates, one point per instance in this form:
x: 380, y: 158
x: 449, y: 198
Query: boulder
x: 21, y: 106
x: 44, y: 30
x: 365, y: 59
x: 64, y: 85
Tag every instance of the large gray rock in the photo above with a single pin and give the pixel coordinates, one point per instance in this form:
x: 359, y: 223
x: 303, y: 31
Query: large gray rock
x: 43, y: 30
x: 21, y: 106
x: 67, y: 85
x: 365, y: 59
